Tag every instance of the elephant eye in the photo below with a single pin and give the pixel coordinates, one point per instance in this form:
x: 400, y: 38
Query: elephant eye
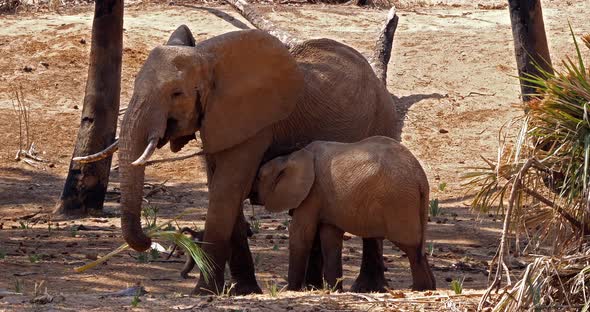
x: 176, y: 94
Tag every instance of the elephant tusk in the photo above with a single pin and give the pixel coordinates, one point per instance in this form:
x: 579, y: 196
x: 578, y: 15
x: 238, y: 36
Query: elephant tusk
x: 149, y: 150
x: 100, y: 155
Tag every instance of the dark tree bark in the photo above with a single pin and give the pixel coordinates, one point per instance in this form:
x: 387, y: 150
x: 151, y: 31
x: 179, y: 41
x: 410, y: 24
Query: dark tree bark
x: 530, y: 41
x: 86, y: 184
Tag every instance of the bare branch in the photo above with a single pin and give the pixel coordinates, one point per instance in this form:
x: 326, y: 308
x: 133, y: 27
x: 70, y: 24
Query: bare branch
x: 383, y: 46
x: 110, y: 150
x: 252, y: 16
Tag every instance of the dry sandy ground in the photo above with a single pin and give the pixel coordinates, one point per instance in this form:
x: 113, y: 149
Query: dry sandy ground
x: 452, y: 70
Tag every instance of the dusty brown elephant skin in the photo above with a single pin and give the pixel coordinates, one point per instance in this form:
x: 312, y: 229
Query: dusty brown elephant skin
x: 252, y: 100
x: 372, y: 188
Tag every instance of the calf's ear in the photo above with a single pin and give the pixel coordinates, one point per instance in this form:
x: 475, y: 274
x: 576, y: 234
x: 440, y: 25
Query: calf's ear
x: 286, y: 182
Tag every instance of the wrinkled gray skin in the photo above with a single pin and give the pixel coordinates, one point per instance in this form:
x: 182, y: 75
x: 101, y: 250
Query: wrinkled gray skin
x: 251, y: 99
x: 372, y: 188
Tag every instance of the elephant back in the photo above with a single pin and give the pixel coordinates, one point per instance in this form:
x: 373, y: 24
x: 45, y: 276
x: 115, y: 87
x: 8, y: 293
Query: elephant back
x: 343, y: 99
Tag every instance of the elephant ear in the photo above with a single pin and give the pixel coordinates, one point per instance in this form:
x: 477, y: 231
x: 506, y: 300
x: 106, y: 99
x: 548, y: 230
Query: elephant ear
x: 182, y: 36
x: 255, y: 83
x: 286, y: 184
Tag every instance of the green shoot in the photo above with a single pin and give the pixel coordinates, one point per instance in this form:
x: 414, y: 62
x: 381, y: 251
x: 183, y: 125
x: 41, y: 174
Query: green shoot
x: 18, y: 286
x: 142, y: 257
x: 457, y: 286
x: 255, y: 226
x: 435, y: 209
x: 431, y: 248
x: 34, y: 258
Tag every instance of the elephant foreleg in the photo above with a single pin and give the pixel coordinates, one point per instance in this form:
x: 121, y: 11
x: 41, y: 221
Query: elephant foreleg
x: 372, y: 275
x: 240, y: 263
x: 229, y: 185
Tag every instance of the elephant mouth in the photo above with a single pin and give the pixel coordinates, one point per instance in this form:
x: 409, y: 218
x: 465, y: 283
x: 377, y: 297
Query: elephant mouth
x: 176, y: 142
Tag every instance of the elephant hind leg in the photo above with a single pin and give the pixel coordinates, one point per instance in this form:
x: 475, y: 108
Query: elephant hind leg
x: 422, y: 276
x: 372, y: 275
x: 315, y: 265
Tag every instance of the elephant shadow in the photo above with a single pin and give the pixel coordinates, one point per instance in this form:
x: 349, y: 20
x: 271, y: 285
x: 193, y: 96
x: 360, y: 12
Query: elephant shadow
x: 403, y: 104
x: 226, y: 17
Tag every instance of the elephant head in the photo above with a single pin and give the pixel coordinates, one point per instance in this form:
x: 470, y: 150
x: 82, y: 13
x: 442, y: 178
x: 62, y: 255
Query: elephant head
x: 284, y: 182
x: 229, y: 88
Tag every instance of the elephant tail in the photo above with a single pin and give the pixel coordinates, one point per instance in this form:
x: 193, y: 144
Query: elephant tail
x: 424, y: 205
x: 255, y: 18
x: 383, y: 46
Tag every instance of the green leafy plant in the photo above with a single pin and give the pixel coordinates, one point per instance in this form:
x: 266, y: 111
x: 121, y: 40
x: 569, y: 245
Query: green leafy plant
x: 142, y: 257
x: 255, y: 226
x: 273, y: 289
x: 457, y: 286
x: 434, y: 208
x: 135, y: 301
x: 190, y: 247
x: 18, y: 286
x: 24, y: 224
x: 549, y: 155
x: 275, y: 247
x: 34, y: 258
x: 73, y: 231
x: 150, y: 215
x: 442, y: 186
x: 154, y: 254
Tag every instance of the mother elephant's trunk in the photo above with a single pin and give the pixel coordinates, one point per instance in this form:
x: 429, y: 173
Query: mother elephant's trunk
x: 136, y: 130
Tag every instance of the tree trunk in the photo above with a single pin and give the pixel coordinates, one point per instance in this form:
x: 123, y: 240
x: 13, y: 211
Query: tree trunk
x: 86, y: 184
x: 530, y: 41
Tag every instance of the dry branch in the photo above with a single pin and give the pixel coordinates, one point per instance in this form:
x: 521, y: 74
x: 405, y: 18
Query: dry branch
x: 383, y: 46
x: 251, y: 15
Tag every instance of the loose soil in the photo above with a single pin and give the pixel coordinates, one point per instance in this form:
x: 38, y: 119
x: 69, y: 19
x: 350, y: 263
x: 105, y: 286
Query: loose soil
x: 452, y: 72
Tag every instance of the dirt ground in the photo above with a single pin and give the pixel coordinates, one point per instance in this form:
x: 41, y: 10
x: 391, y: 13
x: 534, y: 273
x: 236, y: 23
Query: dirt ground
x: 452, y: 71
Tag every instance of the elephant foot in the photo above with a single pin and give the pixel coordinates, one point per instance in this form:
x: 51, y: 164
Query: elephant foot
x: 245, y: 288
x: 366, y: 283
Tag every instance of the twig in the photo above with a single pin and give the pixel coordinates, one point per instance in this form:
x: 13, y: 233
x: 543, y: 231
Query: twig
x: 577, y: 224
x: 252, y: 16
x: 501, y: 266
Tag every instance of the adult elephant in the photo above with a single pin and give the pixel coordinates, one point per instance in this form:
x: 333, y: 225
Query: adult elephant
x: 252, y: 99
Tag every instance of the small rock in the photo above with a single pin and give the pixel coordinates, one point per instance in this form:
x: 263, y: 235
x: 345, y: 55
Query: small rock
x: 28, y: 69
x: 268, y: 236
x: 45, y: 64
x: 448, y: 279
x: 51, y: 165
x: 281, y: 227
x: 351, y: 249
x: 82, y: 41
x: 345, y: 258
x: 443, y: 131
x: 75, y: 107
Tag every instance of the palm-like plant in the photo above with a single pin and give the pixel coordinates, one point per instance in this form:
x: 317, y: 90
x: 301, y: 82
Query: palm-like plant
x: 542, y: 174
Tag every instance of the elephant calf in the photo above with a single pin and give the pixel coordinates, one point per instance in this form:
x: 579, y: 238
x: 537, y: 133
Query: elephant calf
x: 374, y: 188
